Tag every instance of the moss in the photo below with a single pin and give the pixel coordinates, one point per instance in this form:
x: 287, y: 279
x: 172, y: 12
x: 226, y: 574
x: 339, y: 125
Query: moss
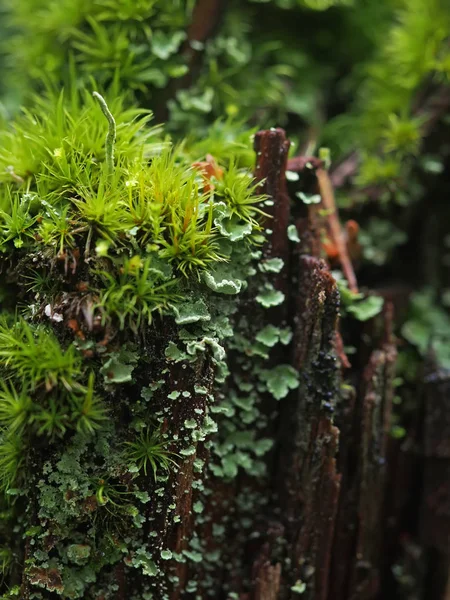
x: 126, y: 266
x: 94, y: 483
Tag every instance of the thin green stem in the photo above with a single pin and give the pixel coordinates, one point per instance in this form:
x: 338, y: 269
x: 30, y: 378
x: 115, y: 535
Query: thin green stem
x: 111, y: 135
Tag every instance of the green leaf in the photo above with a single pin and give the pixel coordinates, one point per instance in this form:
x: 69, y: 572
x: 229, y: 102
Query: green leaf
x: 143, y: 560
x: 172, y: 352
x: 193, y: 555
x: 299, y: 587
x: 285, y: 336
x: 201, y: 345
x: 233, y: 229
x: 366, y: 309
x: 115, y: 371
x: 293, y: 234
x: 164, y: 45
x: 417, y: 333
x: 268, y: 336
x: 398, y: 432
x: 260, y: 447
x: 270, y: 297
x: 309, y: 199
x: 78, y: 553
x: 272, y: 265
x: 222, y: 281
x: 142, y: 496
x: 192, y: 312
x: 280, y: 380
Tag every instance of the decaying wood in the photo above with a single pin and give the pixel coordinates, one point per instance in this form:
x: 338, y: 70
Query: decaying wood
x: 376, y: 408
x: 308, y: 483
x: 25, y: 586
x: 435, y: 510
x: 331, y: 526
x: 267, y: 582
x: 325, y: 188
x: 272, y: 149
x: 176, y: 536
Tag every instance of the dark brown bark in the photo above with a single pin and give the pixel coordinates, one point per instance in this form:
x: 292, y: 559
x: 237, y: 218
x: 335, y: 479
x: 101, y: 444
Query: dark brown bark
x: 272, y: 149
x: 435, y: 509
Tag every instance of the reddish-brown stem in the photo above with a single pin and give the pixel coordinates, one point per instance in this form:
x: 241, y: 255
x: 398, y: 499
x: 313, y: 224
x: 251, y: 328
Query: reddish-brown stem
x: 328, y: 201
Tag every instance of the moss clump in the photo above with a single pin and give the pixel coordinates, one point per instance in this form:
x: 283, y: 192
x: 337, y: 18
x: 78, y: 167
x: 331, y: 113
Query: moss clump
x: 128, y: 273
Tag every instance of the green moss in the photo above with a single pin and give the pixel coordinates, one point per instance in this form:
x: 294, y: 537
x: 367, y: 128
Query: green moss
x: 427, y: 326
x: 355, y: 304
x: 149, y: 451
x: 131, y: 247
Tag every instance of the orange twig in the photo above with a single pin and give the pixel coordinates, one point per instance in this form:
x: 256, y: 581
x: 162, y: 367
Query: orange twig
x: 340, y: 351
x: 336, y: 233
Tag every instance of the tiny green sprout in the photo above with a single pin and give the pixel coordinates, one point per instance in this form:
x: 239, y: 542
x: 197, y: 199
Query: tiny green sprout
x: 111, y: 495
x: 138, y: 292
x: 114, y: 500
x: 34, y: 355
x: 57, y: 229
x: 6, y: 558
x: 239, y: 191
x: 52, y: 420
x: 102, y: 248
x: 16, y: 222
x: 325, y: 155
x: 111, y: 135
x: 149, y: 449
x: 101, y: 208
x: 41, y: 283
x: 15, y: 407
x: 89, y: 413
x: 402, y: 134
x: 12, y: 455
x: 398, y: 432
x: 293, y: 234
x: 100, y: 494
x: 299, y: 587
